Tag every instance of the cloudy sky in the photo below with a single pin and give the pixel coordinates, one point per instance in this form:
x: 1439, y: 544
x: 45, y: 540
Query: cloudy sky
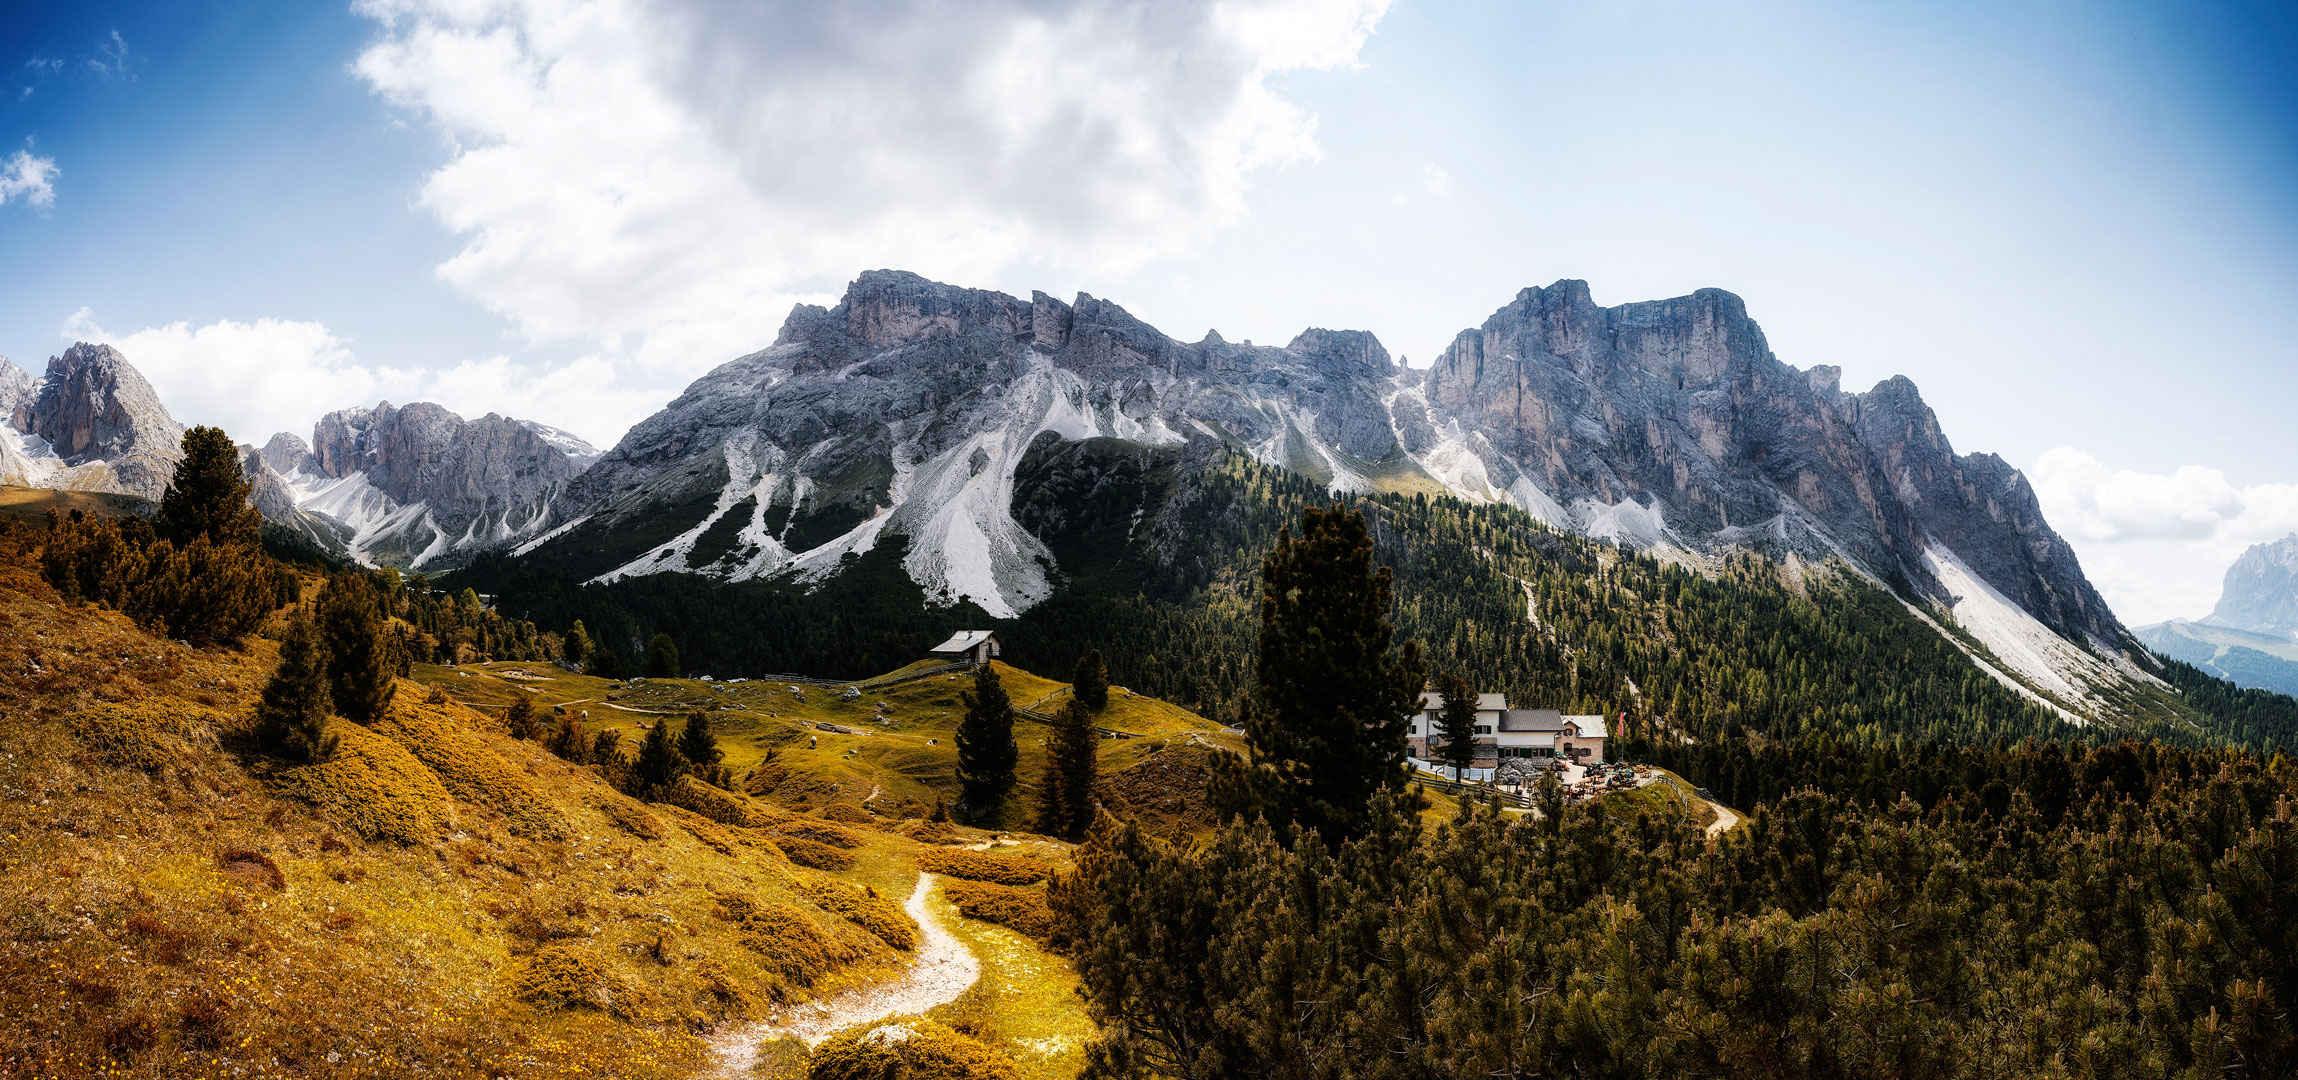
x: 2074, y: 225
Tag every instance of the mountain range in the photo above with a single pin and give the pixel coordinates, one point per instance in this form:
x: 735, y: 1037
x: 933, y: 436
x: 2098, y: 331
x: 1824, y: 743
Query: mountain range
x: 2251, y: 637
x: 908, y: 416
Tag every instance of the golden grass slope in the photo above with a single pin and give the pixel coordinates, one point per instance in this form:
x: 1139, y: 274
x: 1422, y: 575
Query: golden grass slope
x: 439, y: 899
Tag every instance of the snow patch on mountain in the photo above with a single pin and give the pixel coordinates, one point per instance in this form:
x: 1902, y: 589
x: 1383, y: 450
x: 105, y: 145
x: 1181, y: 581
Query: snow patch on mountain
x: 2018, y: 640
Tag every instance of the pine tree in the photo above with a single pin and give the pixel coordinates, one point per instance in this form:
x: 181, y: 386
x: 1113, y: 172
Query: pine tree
x: 1329, y: 711
x: 603, y: 663
x: 208, y: 495
x: 662, y: 658
x: 1065, y: 801
x: 360, y: 661
x: 986, y: 751
x: 291, y: 720
x: 577, y: 644
x: 699, y: 746
x: 520, y: 719
x: 1091, y: 682
x: 658, y: 762
x: 568, y: 740
x: 1456, y: 724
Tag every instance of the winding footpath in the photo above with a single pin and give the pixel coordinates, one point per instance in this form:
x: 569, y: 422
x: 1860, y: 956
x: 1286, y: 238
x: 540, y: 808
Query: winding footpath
x: 942, y: 970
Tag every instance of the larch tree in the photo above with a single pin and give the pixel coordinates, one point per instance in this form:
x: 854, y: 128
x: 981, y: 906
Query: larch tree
x: 1332, y: 692
x: 986, y: 751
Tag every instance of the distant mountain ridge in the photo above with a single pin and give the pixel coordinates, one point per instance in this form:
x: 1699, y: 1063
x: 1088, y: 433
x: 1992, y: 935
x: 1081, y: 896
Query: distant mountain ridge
x: 418, y: 486
x: 902, y: 414
x: 2260, y: 593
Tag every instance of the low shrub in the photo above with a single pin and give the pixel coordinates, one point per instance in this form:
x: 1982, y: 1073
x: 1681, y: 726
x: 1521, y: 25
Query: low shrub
x: 566, y: 976
x: 630, y: 817
x: 471, y: 771
x: 907, y: 1048
x: 863, y: 907
x: 847, y: 813
x: 975, y: 866
x: 818, y: 832
x: 820, y: 856
x: 1017, y: 908
x: 375, y: 786
x: 145, y: 734
x: 790, y: 943
x: 717, y: 804
x: 932, y: 832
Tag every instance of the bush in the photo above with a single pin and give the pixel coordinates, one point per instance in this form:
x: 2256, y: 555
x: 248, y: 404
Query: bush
x: 473, y: 772
x: 375, y: 786
x: 996, y: 869
x: 848, y: 814
x: 907, y: 1048
x: 820, y: 856
x: 818, y: 832
x: 568, y: 976
x: 863, y: 907
x: 1022, y: 910
x: 138, y: 734
x: 717, y: 804
x: 791, y: 944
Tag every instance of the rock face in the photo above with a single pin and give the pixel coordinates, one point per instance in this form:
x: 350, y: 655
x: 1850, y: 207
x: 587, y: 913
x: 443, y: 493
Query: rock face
x: 417, y: 486
x: 1671, y: 423
x: 90, y: 423
x: 2261, y: 591
x: 904, y: 410
x: 900, y: 416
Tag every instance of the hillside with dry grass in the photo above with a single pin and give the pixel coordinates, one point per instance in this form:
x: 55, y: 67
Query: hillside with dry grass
x: 439, y: 898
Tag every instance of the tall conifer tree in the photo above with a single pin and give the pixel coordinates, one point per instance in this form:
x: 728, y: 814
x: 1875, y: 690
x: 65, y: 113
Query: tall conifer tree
x: 1065, y: 802
x: 662, y: 658
x: 360, y: 664
x: 986, y: 752
x: 699, y: 746
x: 291, y: 720
x: 1090, y: 684
x: 208, y: 495
x: 658, y: 761
x: 1330, y: 705
x: 1455, y: 735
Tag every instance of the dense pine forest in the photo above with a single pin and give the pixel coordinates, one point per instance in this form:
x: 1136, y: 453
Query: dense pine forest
x: 2026, y: 911
x: 1162, y: 558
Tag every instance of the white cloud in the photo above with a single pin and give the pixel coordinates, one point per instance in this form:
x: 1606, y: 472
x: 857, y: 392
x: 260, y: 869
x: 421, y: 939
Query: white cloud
x: 255, y: 379
x: 110, y: 58
x: 683, y: 170
x: 2157, y: 545
x: 31, y: 179
x: 1438, y: 181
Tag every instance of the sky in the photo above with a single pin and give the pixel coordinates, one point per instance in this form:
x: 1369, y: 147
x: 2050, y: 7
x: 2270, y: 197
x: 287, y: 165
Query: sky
x: 2074, y: 225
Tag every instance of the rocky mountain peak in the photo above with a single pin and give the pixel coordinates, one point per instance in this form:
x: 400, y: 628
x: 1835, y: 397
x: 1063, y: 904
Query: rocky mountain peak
x: 2261, y: 590
x: 17, y: 390
x: 98, y: 420
x: 287, y: 452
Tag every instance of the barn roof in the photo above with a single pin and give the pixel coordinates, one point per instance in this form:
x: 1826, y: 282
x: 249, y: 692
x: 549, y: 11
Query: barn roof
x: 964, y: 641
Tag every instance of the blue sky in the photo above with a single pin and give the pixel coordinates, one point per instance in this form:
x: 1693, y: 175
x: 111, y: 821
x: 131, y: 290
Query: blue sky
x: 2074, y: 225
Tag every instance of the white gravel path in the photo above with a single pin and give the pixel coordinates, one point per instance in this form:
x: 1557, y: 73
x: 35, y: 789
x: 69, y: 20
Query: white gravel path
x: 942, y: 969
